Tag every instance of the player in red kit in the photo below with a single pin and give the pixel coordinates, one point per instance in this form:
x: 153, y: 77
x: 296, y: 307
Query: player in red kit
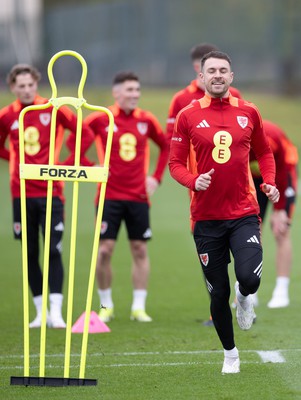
x: 23, y: 82
x: 128, y: 189
x: 195, y: 90
x: 286, y: 160
x: 209, y: 154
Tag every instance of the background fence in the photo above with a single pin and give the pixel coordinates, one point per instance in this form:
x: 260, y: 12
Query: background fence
x: 153, y: 37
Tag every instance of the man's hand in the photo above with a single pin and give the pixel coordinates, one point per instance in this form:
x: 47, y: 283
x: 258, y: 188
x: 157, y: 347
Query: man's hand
x: 151, y: 185
x: 271, y: 192
x: 204, y: 181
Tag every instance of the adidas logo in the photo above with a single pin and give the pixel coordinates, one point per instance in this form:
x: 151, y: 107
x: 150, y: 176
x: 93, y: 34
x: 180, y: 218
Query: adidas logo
x: 59, y: 227
x: 203, y: 124
x: 289, y: 192
x: 253, y: 239
x: 147, y: 234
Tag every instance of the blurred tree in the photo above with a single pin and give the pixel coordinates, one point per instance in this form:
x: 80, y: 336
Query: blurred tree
x: 51, y: 3
x: 290, y: 12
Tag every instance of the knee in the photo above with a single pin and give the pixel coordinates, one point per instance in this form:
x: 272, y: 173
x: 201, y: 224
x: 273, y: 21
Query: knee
x: 105, y: 251
x: 249, y: 269
x: 220, y: 294
x: 32, y: 254
x: 139, y: 249
x: 251, y: 285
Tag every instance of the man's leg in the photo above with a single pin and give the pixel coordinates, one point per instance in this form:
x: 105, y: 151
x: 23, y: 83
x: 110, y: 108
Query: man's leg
x: 212, y: 247
x: 113, y: 213
x: 280, y: 297
x: 139, y: 232
x: 34, y: 270
x: 247, y: 251
x: 219, y: 288
x: 218, y: 285
x: 56, y: 270
x: 140, y: 274
x: 104, y: 277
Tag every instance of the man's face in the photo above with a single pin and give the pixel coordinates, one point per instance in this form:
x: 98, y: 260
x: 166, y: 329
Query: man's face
x: 25, y: 88
x: 127, y: 95
x: 216, y: 76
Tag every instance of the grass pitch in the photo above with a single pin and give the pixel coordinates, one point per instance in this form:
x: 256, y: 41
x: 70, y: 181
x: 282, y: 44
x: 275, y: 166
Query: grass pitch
x: 175, y: 356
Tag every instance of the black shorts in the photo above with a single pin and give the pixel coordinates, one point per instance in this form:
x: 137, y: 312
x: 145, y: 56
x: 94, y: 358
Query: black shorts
x: 134, y: 214
x: 215, y: 239
x: 36, y: 217
x: 290, y: 196
x: 262, y: 198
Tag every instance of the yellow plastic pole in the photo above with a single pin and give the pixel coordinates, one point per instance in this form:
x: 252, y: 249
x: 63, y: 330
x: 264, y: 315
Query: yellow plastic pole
x: 24, y: 236
x: 47, y: 245
x: 24, y: 251
x: 99, y: 174
x: 95, y: 243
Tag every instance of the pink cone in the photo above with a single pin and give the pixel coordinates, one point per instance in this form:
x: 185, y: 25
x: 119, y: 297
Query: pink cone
x: 95, y: 325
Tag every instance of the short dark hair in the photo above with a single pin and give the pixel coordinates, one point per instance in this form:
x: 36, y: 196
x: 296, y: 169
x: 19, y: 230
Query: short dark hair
x: 215, y: 54
x: 20, y: 69
x: 123, y: 76
x: 197, y: 52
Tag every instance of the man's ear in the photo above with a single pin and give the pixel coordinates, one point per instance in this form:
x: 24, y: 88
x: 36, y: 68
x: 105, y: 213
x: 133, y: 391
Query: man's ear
x: 115, y: 91
x: 196, y: 66
x: 12, y: 88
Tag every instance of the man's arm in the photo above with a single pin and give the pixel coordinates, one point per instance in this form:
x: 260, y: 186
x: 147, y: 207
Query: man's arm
x: 4, y: 152
x: 271, y: 192
x: 286, y: 159
x: 179, y: 154
x: 262, y: 151
x: 159, y: 138
x: 174, y: 108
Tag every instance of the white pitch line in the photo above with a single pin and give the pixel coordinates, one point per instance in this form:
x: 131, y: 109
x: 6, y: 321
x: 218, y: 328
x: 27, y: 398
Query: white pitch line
x: 144, y: 353
x: 271, y: 356
x: 127, y: 365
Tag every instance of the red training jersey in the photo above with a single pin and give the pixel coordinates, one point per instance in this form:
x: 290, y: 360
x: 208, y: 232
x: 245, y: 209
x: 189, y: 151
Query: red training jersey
x: 218, y: 133
x: 37, y: 141
x: 129, y: 161
x: 286, y: 160
x: 4, y: 152
x: 184, y: 97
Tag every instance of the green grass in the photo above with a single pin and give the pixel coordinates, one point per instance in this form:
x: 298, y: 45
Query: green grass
x: 174, y: 357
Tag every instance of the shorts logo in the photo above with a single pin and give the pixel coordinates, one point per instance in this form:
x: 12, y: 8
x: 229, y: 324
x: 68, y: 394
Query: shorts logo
x: 45, y: 118
x: 59, y: 227
x: 17, y: 228
x: 147, y: 234
x: 289, y: 192
x: 242, y: 121
x: 104, y: 227
x: 204, y: 259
